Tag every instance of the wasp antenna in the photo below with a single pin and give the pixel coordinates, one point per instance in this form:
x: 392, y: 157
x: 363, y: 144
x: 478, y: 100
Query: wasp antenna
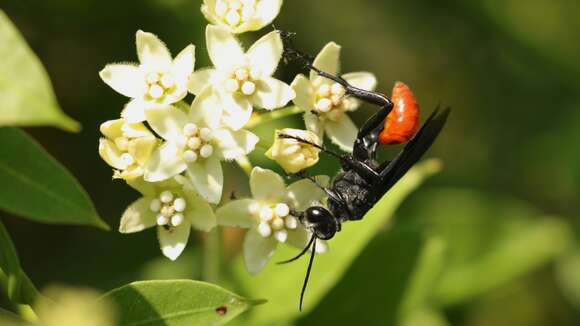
x: 304, y: 141
x: 307, y: 274
x: 301, y: 253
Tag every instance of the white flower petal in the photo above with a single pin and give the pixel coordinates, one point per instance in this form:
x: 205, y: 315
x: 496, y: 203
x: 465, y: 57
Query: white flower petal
x: 257, y: 251
x: 173, y: 240
x: 342, y: 132
x: 200, y: 79
x: 361, y: 79
x: 110, y: 154
x: 152, y: 52
x: 267, y: 185
x: 233, y: 144
x: 304, y: 93
x: 267, y: 11
x: 164, y: 163
x: 272, y: 93
x: 327, y: 60
x: 237, y: 110
x: 206, y: 109
x: 141, y: 148
x: 183, y: 64
x: 125, y: 79
x: 147, y: 189
x: 198, y: 211
x: 134, y: 111
x: 208, y: 179
x: 135, y: 130
x: 168, y: 122
x: 223, y: 48
x: 236, y: 213
x: 266, y: 53
x: 137, y: 216
x: 304, y: 193
x: 313, y: 123
x: 299, y: 237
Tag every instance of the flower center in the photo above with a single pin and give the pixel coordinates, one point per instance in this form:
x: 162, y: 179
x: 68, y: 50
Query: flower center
x: 242, y: 80
x: 274, y: 220
x: 235, y: 12
x: 330, y: 98
x: 122, y: 144
x: 159, y: 84
x: 169, y: 208
x: 196, y: 142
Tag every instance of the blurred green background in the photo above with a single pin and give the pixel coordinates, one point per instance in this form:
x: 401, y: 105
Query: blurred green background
x: 509, y: 69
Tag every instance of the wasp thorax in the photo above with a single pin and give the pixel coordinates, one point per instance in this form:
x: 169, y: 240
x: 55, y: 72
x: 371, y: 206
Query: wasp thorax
x: 235, y: 12
x: 159, y: 84
x: 242, y: 80
x: 169, y: 208
x: 329, y: 98
x: 274, y: 220
x: 196, y: 143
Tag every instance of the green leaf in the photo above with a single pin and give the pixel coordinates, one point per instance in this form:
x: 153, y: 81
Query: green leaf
x: 35, y: 186
x: 281, y: 284
x: 17, y: 286
x: 176, y: 303
x: 26, y: 94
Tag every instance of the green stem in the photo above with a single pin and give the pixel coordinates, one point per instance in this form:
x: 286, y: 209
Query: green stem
x: 273, y: 115
x: 211, y: 256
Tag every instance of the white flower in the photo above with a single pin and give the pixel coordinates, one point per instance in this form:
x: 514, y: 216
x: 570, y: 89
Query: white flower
x: 156, y: 82
x: 126, y: 147
x: 267, y: 215
x: 242, y: 80
x: 172, y: 205
x: 292, y: 155
x: 324, y: 100
x: 240, y: 16
x: 196, y: 142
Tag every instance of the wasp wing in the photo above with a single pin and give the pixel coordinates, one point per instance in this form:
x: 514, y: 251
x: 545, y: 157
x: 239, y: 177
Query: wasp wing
x: 414, y: 150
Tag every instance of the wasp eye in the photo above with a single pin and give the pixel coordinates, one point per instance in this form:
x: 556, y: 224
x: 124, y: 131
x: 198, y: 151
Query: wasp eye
x: 321, y: 222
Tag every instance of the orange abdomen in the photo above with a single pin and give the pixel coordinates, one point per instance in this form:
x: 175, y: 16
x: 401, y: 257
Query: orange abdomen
x: 403, y: 121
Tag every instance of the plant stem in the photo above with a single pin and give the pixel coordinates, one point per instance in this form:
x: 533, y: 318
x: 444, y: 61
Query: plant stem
x: 245, y: 164
x: 273, y: 115
x: 211, y: 256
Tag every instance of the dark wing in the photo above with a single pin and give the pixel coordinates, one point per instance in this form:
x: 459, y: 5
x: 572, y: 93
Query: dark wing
x: 414, y: 149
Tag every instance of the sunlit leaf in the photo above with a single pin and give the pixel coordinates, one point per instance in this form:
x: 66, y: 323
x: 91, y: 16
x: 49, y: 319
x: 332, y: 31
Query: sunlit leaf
x: 176, y: 303
x: 35, y: 186
x: 17, y: 286
x: 281, y: 284
x: 26, y: 95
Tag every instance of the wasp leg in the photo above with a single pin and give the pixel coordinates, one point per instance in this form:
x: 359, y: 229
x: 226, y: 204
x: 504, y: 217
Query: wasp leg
x: 366, y: 143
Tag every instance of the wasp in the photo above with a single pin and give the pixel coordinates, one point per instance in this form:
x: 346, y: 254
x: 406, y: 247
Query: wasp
x: 362, y: 180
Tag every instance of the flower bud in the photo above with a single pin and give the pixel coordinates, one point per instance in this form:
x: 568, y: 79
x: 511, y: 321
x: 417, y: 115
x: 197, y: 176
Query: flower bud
x: 293, y: 155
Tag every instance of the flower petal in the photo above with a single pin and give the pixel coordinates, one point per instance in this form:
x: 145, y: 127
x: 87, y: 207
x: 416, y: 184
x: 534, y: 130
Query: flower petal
x: 135, y: 130
x: 327, y: 60
x: 125, y: 79
x: 141, y: 148
x: 304, y: 93
x: 165, y: 162
x: 207, y: 177
x: 257, y: 251
x: 267, y: 185
x: 112, y: 128
x: 152, y: 52
x: 342, y: 132
x: 223, y: 48
x: 237, y: 110
x: 304, y: 193
x: 233, y: 144
x: 266, y: 53
x: 361, y: 79
x: 198, y: 211
x: 313, y: 123
x: 137, y: 217
x: 200, y: 79
x: 183, y: 64
x: 173, y: 240
x: 134, y: 111
x: 272, y: 93
x: 206, y: 109
x: 168, y: 122
x: 110, y: 154
x: 147, y: 189
x: 208, y: 10
x: 298, y: 237
x: 267, y: 11
x: 236, y: 213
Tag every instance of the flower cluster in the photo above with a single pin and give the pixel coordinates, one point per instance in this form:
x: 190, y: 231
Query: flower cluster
x: 172, y: 150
